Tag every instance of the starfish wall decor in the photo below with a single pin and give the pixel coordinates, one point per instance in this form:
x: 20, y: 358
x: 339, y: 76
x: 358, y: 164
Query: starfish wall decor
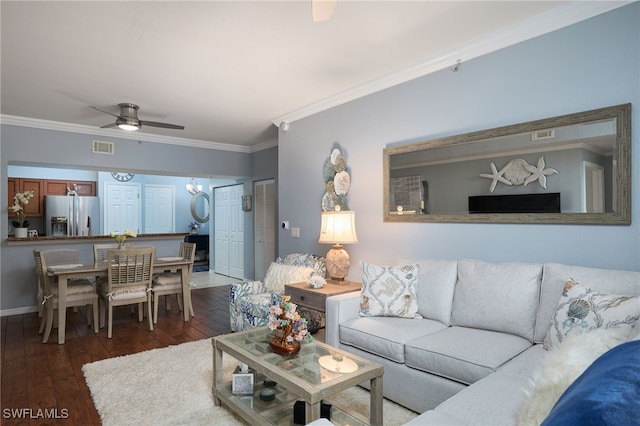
x: 518, y: 172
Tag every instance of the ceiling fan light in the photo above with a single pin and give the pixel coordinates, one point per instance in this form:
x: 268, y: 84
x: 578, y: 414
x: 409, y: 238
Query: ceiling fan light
x: 128, y: 127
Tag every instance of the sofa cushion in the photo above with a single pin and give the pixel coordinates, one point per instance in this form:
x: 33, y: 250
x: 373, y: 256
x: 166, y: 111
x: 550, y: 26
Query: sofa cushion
x: 279, y: 274
x: 497, y: 296
x: 463, y: 354
x: 582, y: 310
x: 436, y: 284
x: 386, y: 336
x: 555, y: 276
x: 389, y: 291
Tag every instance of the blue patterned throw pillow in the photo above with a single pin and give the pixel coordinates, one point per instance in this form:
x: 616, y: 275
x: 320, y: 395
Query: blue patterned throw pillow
x: 389, y: 291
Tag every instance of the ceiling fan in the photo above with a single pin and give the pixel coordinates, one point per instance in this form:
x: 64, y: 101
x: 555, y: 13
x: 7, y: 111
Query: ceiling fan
x: 322, y: 10
x: 128, y: 119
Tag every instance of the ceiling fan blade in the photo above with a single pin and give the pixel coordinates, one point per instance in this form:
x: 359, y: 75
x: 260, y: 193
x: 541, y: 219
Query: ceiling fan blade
x: 322, y: 10
x: 164, y: 125
x: 106, y: 112
x: 106, y: 126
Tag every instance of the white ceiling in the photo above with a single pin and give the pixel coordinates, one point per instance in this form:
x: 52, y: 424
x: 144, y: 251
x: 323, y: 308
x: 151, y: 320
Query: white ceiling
x: 229, y: 70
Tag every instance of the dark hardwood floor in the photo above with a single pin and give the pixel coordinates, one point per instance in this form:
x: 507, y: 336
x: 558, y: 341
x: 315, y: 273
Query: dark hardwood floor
x: 37, y: 376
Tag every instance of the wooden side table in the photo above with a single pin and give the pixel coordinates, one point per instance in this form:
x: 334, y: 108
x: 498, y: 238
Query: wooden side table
x: 315, y: 299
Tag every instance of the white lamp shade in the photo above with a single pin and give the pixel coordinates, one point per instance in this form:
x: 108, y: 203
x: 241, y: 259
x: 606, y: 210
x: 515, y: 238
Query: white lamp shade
x: 338, y: 227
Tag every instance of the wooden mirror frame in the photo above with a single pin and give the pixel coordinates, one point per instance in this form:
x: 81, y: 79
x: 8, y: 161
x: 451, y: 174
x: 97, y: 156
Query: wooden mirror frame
x: 622, y: 115
x: 194, y: 210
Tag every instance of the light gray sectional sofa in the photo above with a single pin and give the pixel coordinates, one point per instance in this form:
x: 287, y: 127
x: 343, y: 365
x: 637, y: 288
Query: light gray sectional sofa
x: 471, y: 355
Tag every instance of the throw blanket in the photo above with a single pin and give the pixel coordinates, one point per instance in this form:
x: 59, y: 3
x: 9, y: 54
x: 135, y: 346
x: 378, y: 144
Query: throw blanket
x: 607, y: 393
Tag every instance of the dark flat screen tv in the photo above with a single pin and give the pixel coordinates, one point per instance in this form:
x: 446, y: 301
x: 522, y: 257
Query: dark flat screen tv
x: 521, y: 203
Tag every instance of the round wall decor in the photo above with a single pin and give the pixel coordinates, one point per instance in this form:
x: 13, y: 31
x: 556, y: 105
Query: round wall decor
x: 122, y: 177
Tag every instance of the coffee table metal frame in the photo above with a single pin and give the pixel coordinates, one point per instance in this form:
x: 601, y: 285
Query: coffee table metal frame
x: 298, y: 377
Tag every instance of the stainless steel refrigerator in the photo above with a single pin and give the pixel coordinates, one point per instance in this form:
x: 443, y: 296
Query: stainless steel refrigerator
x: 69, y: 215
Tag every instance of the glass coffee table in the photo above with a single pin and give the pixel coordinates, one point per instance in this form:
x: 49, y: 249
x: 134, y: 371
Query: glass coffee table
x: 317, y: 373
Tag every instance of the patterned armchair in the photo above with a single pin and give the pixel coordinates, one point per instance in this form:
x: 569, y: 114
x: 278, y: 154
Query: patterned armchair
x: 249, y: 302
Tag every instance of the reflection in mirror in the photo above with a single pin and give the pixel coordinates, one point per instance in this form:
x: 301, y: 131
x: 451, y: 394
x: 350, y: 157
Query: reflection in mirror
x: 200, y: 207
x: 569, y: 169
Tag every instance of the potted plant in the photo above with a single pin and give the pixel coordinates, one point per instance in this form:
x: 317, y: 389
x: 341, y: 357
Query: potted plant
x: 20, y: 225
x: 194, y: 227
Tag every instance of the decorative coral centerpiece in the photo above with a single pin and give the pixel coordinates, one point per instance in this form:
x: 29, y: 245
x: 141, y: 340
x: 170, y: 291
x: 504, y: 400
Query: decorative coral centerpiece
x: 122, y: 238
x: 288, y: 326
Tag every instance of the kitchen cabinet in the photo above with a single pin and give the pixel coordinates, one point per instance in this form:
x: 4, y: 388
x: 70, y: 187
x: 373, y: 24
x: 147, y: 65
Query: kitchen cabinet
x: 35, y: 207
x: 59, y: 187
x: 42, y: 188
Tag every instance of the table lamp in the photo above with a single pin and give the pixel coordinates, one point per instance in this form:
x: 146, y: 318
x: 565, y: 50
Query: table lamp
x: 337, y: 228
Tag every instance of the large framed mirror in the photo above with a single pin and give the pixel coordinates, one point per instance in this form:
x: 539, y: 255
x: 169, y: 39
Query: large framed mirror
x: 200, y: 207
x: 570, y: 169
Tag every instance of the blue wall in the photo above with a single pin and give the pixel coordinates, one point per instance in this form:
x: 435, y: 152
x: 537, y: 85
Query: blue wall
x: 592, y: 64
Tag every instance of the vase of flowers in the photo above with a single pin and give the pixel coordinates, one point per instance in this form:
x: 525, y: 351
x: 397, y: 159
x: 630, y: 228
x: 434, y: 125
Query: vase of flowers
x: 20, y: 224
x: 122, y: 238
x: 194, y: 227
x: 289, y: 328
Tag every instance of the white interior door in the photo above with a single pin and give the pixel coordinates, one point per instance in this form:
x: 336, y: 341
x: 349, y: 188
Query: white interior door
x: 236, y: 232
x: 229, y: 231
x: 264, y: 213
x: 159, y: 209
x: 122, y: 207
x: 593, y: 188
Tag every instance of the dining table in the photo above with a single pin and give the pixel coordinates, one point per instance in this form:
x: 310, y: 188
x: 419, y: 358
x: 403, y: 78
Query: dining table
x: 63, y: 273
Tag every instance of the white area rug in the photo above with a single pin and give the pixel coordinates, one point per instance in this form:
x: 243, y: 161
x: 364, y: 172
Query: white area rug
x: 172, y: 386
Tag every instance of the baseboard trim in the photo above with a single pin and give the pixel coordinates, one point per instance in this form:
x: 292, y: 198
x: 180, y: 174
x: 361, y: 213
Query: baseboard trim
x: 18, y: 311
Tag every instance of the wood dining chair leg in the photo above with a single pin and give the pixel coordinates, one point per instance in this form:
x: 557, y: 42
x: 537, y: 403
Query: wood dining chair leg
x: 43, y: 322
x: 179, y: 299
x: 96, y: 313
x: 109, y: 320
x: 156, y: 301
x: 49, y: 326
x: 149, y: 312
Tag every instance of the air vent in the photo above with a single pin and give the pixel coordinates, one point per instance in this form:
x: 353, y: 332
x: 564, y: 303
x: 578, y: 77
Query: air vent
x: 100, y: 147
x: 542, y: 134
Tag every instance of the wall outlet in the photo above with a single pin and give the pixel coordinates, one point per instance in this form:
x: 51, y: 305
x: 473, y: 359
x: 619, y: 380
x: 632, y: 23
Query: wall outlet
x: 295, y: 232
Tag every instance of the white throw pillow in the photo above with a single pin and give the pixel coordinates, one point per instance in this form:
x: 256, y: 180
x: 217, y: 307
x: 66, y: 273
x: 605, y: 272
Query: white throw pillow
x: 582, y: 310
x: 278, y: 275
x: 561, y: 367
x: 389, y: 291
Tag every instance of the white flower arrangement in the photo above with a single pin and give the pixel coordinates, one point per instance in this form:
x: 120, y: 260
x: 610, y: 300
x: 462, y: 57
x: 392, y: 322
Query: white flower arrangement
x: 20, y: 199
x: 122, y: 238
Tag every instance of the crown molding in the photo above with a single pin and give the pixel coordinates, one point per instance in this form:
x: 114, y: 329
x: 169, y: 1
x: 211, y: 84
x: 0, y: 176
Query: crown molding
x: 113, y: 133
x: 555, y: 19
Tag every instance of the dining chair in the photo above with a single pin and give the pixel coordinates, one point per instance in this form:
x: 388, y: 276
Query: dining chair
x: 101, y: 251
x: 80, y: 292
x: 128, y: 282
x: 168, y: 283
x: 57, y: 257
